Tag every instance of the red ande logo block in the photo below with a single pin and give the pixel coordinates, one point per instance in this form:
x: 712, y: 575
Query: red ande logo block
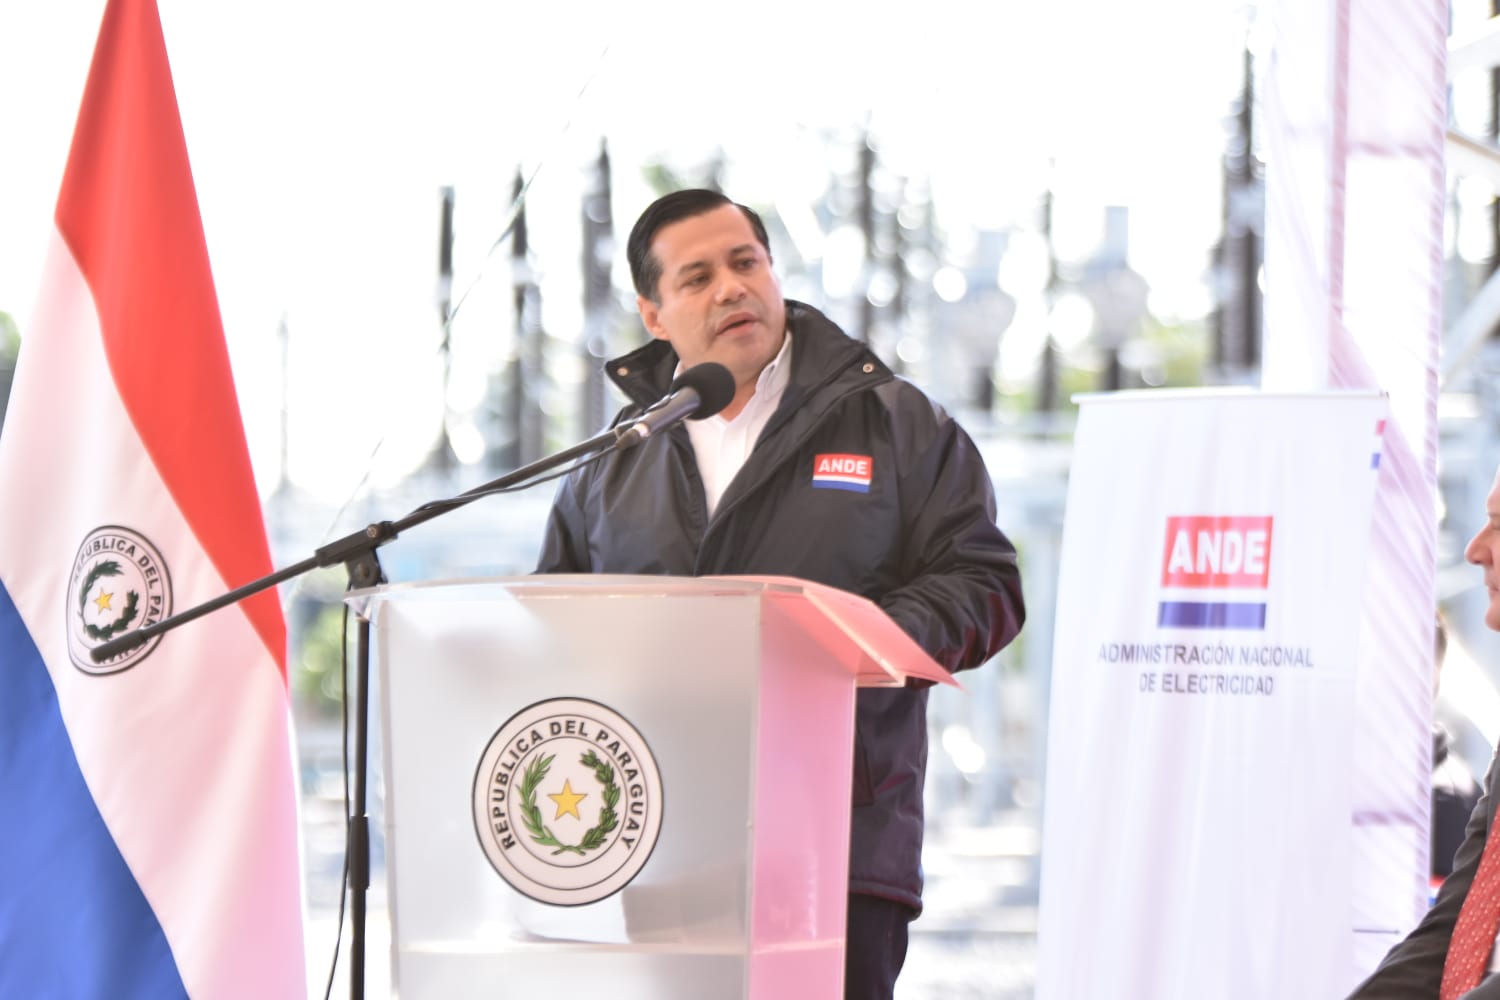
x: 1218, y: 552
x: 857, y: 466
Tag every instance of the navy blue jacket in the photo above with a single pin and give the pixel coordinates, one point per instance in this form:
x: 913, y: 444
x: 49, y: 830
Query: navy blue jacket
x: 1414, y: 968
x: 922, y: 543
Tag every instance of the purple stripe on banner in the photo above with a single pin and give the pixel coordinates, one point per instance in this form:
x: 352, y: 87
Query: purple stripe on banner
x: 1199, y: 614
x: 1375, y: 460
x: 82, y: 928
x: 851, y: 487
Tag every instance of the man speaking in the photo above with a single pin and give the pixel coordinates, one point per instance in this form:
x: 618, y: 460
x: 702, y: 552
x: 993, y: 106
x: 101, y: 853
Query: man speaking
x: 823, y: 466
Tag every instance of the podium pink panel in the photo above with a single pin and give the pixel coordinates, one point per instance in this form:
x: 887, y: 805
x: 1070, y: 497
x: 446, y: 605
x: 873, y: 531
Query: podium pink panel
x: 803, y: 772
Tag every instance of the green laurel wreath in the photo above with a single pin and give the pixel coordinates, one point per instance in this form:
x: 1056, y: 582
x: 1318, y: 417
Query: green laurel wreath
x: 132, y: 604
x: 531, y: 816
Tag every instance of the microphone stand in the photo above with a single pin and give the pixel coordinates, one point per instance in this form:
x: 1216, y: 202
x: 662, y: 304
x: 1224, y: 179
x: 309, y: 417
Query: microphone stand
x: 357, y: 553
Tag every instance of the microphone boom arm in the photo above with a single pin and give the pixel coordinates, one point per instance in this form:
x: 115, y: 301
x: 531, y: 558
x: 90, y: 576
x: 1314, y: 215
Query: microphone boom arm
x: 356, y: 550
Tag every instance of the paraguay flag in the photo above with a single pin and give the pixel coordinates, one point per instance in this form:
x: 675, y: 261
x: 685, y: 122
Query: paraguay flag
x: 148, y: 827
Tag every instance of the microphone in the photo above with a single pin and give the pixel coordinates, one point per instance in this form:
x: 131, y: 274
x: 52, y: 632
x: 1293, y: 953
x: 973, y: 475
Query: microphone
x: 699, y: 392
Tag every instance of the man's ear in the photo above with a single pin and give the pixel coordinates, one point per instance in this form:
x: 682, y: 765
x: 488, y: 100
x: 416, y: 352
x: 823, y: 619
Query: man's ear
x: 651, y: 317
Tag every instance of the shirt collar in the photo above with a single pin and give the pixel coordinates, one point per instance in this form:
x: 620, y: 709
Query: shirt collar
x: 773, y: 378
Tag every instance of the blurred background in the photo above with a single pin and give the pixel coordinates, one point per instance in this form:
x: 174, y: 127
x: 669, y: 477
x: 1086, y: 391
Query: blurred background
x: 416, y: 219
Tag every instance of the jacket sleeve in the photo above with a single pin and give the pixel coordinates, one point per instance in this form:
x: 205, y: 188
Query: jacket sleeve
x: 565, y: 547
x: 1414, y: 968
x: 961, y: 592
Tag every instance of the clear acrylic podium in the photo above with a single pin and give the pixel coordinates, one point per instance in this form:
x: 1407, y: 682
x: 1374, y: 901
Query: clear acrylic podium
x: 622, y: 786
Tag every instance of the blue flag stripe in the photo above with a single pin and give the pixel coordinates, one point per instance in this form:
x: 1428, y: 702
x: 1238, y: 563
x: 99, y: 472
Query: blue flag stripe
x: 1196, y: 614
x: 80, y: 928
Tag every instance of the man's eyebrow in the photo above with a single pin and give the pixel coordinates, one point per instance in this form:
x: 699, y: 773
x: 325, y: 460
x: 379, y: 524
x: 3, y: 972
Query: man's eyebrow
x: 703, y: 265
x: 692, y: 265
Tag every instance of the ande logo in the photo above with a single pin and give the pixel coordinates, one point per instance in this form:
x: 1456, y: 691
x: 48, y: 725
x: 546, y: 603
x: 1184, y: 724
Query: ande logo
x: 1216, y: 572
x: 119, y: 583
x: 567, y: 801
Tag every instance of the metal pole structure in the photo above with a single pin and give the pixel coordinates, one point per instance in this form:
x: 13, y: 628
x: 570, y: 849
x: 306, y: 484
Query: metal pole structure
x: 1250, y: 212
x: 443, y: 460
x: 598, y: 289
x: 514, y: 409
x: 1237, y: 257
x: 865, y: 196
x: 530, y: 342
x: 1048, y: 372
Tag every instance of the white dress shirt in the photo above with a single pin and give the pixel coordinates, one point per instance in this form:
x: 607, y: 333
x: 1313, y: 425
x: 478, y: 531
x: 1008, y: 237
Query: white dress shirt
x: 722, y: 446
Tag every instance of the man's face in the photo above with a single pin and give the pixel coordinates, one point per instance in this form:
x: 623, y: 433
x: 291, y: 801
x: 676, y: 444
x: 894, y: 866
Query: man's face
x: 1484, y: 551
x: 717, y: 299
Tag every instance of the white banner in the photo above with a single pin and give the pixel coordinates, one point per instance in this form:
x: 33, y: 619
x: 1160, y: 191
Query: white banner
x: 1198, y: 823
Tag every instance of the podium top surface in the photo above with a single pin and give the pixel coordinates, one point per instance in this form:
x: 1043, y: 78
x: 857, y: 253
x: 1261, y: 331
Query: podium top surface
x: 879, y: 652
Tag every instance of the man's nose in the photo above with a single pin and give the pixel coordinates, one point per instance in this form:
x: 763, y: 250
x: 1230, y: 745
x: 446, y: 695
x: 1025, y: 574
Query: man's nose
x: 731, y: 289
x: 1476, y: 552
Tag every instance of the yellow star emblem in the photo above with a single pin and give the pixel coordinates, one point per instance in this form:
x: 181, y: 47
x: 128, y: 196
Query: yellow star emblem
x: 567, y: 801
x: 102, y: 601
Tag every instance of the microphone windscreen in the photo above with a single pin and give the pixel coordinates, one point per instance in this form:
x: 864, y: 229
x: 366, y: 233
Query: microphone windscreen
x: 713, y: 384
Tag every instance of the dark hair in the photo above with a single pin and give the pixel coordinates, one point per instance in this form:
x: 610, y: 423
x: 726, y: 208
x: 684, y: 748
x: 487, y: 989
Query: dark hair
x: 645, y: 269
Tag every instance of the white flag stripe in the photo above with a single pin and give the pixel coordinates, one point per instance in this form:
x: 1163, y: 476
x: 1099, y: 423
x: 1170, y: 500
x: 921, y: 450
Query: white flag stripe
x: 151, y: 769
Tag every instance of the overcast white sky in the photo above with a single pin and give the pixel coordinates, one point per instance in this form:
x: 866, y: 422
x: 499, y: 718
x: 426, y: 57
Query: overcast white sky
x: 321, y: 132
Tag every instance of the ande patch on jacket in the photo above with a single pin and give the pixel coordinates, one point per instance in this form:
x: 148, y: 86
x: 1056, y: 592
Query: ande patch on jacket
x: 843, y: 472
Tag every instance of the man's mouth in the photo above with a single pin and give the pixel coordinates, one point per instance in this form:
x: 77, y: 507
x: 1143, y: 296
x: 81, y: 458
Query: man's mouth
x: 735, y: 323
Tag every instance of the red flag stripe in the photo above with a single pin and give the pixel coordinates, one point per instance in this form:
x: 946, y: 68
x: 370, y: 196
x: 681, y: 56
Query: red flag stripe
x: 160, y: 284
